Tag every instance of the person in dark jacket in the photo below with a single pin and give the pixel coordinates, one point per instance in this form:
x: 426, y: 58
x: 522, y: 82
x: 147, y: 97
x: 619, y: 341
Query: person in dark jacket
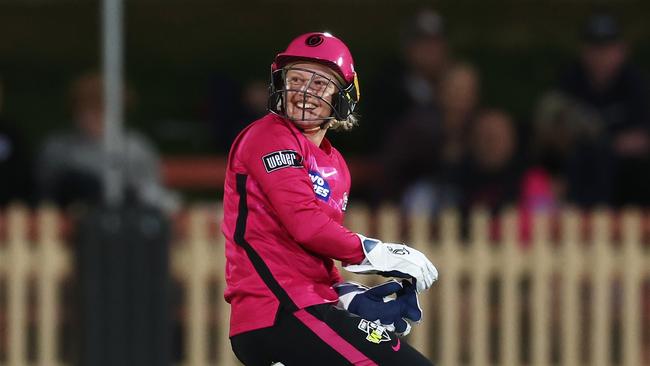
x: 15, y: 164
x: 615, y: 168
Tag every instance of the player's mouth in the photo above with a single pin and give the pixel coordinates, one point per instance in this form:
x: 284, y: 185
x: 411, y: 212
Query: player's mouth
x: 306, y: 106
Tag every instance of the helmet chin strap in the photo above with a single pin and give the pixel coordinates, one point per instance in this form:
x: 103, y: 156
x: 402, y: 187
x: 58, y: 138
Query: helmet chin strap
x: 311, y: 130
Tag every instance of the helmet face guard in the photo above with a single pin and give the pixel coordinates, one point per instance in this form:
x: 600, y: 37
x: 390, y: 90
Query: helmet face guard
x: 341, y: 100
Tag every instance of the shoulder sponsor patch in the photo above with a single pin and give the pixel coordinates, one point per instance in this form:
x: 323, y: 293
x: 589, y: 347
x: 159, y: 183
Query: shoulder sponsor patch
x: 281, y: 159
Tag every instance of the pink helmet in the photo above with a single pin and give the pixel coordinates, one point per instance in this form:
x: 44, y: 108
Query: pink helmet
x: 320, y: 47
x: 324, y: 48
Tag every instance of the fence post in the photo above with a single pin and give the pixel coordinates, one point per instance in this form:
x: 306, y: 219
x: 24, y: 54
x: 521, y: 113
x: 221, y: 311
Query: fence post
x: 601, y: 282
x: 571, y: 331
x: 51, y: 263
x: 631, y: 235
x: 450, y: 265
x: 420, y: 238
x: 357, y: 219
x: 388, y: 229
x: 225, y: 356
x: 18, y: 265
x: 196, y: 270
x: 509, y: 268
x: 540, y: 295
x: 480, y: 263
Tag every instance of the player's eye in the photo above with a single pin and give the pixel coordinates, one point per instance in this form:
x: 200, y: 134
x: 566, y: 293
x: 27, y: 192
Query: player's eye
x: 319, y: 84
x: 294, y: 80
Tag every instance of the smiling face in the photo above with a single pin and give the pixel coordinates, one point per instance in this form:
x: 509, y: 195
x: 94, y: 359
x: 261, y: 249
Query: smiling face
x: 310, y: 87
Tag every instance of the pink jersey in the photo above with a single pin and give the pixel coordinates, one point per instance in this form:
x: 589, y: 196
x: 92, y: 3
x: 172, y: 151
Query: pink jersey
x: 284, y: 200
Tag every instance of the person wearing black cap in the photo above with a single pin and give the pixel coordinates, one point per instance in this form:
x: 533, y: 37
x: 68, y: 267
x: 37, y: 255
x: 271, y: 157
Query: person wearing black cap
x: 426, y: 54
x: 615, y: 169
x: 406, y: 87
x: 413, y: 80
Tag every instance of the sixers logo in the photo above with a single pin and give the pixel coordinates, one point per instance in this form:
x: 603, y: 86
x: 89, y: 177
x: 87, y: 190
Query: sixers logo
x: 321, y: 187
x: 314, y: 40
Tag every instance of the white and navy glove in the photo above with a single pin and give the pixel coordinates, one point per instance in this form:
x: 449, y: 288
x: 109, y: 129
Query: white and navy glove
x: 374, y: 304
x: 395, y: 260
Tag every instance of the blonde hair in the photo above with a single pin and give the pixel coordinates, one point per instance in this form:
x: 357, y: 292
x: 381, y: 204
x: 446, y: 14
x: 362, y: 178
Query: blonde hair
x: 344, y: 125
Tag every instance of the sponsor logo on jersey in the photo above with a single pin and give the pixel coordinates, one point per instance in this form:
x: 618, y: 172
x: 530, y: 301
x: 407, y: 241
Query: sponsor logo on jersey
x: 375, y: 333
x: 281, y: 159
x: 321, y: 187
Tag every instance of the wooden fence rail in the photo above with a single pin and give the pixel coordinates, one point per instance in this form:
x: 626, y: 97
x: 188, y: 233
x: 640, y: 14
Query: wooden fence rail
x: 577, y: 292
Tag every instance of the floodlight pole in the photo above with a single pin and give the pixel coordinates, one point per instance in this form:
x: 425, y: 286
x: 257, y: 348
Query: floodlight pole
x: 112, y: 62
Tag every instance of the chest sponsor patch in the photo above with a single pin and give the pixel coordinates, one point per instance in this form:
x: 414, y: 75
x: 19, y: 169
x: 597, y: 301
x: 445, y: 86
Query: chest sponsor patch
x: 321, y: 186
x: 281, y: 159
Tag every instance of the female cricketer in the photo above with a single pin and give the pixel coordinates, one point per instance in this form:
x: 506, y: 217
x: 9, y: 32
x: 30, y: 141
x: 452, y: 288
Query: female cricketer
x: 285, y: 195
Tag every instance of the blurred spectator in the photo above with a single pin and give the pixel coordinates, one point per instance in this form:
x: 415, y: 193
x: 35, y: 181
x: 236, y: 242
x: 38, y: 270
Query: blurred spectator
x: 615, y: 167
x: 538, y: 195
x: 560, y: 126
x: 490, y: 174
x: 459, y: 99
x: 70, y: 164
x: 15, y: 166
x: 426, y: 55
x: 231, y: 106
x: 412, y: 81
x: 427, y: 148
x: 255, y: 98
x: 224, y: 110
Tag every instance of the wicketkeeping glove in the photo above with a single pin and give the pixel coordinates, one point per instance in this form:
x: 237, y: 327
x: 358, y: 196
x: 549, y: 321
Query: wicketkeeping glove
x: 374, y: 304
x: 395, y: 260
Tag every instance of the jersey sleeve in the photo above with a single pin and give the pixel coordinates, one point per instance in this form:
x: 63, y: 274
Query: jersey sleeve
x: 335, y: 276
x: 275, y: 162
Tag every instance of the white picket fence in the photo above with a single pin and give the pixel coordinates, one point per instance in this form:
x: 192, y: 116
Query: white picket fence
x: 497, y: 302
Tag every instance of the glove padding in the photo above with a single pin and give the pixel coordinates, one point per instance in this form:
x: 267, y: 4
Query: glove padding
x: 395, y: 260
x: 374, y: 304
